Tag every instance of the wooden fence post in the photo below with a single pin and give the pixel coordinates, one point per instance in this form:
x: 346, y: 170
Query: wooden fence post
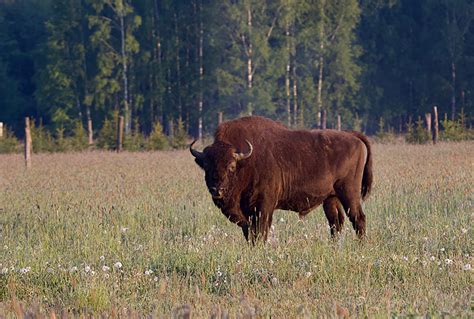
x: 339, y: 122
x: 1, y: 129
x: 220, y: 116
x: 27, y: 143
x: 319, y: 120
x: 90, y: 132
x: 428, y: 123
x: 323, y: 120
x: 436, y: 128
x: 119, y: 134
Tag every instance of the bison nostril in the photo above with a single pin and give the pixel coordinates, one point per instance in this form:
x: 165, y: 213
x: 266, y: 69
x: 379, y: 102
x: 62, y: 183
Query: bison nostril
x: 213, y: 190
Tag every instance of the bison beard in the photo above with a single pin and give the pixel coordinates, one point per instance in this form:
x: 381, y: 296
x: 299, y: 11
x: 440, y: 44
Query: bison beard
x: 256, y: 165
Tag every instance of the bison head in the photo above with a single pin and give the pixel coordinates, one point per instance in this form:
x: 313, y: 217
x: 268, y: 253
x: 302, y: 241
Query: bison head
x: 220, y: 164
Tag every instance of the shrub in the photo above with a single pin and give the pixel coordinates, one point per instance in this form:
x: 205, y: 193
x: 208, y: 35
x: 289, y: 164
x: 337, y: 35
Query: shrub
x: 108, y: 132
x: 79, y: 140
x: 157, y: 139
x: 454, y: 131
x: 9, y: 143
x: 135, y: 141
x: 61, y: 144
x: 418, y: 134
x: 382, y: 136
x: 41, y: 139
x: 179, y: 137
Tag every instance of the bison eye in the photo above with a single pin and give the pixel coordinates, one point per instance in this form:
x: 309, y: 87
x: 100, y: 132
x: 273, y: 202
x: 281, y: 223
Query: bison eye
x: 232, y: 167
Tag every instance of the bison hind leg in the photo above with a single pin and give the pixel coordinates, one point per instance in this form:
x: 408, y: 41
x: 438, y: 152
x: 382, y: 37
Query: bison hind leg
x: 334, y: 213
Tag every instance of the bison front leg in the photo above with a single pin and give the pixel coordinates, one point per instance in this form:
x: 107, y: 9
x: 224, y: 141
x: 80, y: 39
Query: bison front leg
x: 334, y: 213
x: 260, y: 222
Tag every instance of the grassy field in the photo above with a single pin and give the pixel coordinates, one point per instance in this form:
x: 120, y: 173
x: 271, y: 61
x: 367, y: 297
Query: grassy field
x: 105, y: 233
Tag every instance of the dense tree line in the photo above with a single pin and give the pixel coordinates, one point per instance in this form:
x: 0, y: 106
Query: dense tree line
x: 65, y: 62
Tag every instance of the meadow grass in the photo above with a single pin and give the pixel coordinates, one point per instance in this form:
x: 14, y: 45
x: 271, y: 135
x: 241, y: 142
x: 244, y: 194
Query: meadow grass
x: 137, y: 233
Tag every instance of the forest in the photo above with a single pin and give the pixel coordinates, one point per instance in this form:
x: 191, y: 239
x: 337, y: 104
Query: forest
x: 70, y: 63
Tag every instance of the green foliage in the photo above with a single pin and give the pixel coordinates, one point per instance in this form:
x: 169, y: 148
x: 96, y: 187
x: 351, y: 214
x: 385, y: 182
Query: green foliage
x: 418, y: 134
x: 179, y: 138
x: 61, y: 143
x: 42, y: 139
x: 79, y: 140
x: 68, y: 61
x: 454, y: 131
x: 9, y: 143
x: 157, y: 140
x: 135, y: 141
x: 107, y: 138
x: 383, y: 135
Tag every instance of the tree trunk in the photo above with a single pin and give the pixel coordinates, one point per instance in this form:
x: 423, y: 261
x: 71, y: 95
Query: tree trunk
x: 321, y: 65
x: 28, y: 143
x: 287, y: 75
x: 436, y: 129
x: 201, y: 71
x: 125, y: 73
x: 249, y: 61
x: 90, y: 131
x: 159, y: 71
x: 178, y: 68
x: 453, y: 97
x: 295, y: 95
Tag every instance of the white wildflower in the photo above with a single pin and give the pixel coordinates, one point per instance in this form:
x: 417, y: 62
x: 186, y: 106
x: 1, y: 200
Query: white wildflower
x: 405, y: 258
x: 87, y: 268
x: 118, y: 265
x: 467, y: 267
x: 282, y: 220
x: 24, y: 270
x: 155, y: 278
x: 73, y: 269
x: 102, y: 258
x: 448, y: 261
x: 105, y: 268
x: 50, y: 270
x: 308, y: 274
x: 106, y: 275
x: 463, y: 230
x: 123, y: 229
x: 148, y: 272
x: 274, y: 281
x: 219, y: 273
x: 432, y: 258
x: 442, y: 250
x: 4, y: 271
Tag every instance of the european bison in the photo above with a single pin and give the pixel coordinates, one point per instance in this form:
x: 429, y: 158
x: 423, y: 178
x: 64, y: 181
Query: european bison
x: 256, y: 165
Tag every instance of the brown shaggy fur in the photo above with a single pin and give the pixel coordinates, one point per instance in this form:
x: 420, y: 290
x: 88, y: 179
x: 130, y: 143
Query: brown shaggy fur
x: 294, y: 170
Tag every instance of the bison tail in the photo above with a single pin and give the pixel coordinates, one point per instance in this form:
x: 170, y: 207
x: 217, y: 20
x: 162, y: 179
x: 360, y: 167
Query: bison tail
x: 368, y: 177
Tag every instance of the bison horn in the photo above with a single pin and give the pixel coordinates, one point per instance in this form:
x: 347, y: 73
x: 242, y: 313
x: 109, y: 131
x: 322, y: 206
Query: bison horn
x: 242, y: 156
x: 195, y: 153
